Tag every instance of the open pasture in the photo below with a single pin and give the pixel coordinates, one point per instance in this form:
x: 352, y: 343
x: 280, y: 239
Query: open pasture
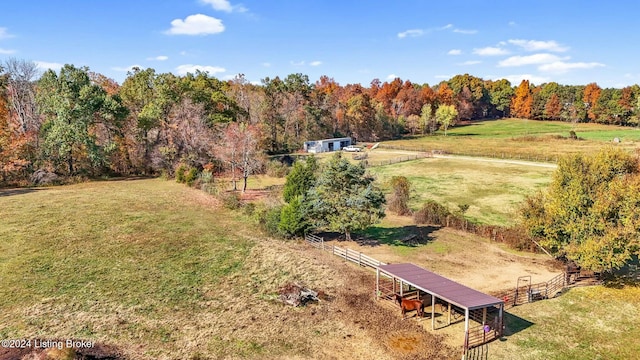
x: 492, y: 190
x: 522, y: 139
x: 156, y: 270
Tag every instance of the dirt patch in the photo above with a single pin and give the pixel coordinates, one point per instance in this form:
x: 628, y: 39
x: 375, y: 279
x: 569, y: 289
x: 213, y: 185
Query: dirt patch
x: 465, y: 258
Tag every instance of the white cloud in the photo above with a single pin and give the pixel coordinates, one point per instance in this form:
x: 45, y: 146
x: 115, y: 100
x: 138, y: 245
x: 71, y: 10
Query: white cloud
x: 266, y: 64
x: 490, y: 51
x: 190, y: 68
x: 4, y: 34
x: 224, y: 5
x: 454, y: 52
x: 294, y: 63
x: 197, y: 24
x: 315, y: 63
x: 128, y: 68
x: 7, y: 51
x: 536, y: 45
x: 391, y: 76
x: 448, y: 26
x: 517, y: 79
x: 184, y: 53
x: 470, y: 62
x: 411, y: 33
x: 466, y: 32
x: 530, y: 60
x: 45, y: 65
x: 158, y: 58
x: 512, y: 23
x: 560, y: 67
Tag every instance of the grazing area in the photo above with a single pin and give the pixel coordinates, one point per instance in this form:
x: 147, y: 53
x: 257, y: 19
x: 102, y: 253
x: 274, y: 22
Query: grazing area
x: 583, y: 323
x: 493, y: 191
x: 522, y: 139
x: 155, y: 270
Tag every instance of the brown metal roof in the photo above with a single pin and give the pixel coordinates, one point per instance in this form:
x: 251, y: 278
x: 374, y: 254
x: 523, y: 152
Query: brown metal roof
x: 439, y: 286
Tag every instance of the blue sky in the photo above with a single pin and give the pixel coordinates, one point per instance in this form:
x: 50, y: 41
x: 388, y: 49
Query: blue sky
x: 570, y: 42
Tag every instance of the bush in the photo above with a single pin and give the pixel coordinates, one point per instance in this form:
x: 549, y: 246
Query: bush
x: 231, y: 200
x: 268, y: 218
x: 206, y: 182
x: 431, y: 213
x: 277, y: 169
x: 180, y: 173
x: 191, y: 176
x: 292, y: 219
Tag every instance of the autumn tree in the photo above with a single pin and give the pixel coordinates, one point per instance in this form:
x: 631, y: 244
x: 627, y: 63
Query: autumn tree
x: 500, y: 95
x: 71, y: 106
x: 427, y: 119
x: 553, y: 107
x: 522, y: 101
x: 344, y: 198
x: 590, y: 98
x: 401, y: 192
x: 446, y: 116
x: 239, y: 150
x: 589, y: 212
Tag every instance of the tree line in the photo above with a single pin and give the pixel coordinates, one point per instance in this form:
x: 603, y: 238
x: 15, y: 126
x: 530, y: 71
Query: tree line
x: 78, y: 122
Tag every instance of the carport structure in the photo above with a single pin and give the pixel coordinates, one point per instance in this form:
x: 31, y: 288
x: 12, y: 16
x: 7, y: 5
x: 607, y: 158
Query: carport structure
x: 475, y: 304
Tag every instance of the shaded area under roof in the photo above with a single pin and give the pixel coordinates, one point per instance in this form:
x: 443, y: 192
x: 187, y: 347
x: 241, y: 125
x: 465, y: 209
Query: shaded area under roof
x: 439, y: 286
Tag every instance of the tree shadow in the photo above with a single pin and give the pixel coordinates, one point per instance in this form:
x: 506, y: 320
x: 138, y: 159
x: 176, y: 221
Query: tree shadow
x: 514, y: 324
x: 409, y: 236
x: 13, y: 192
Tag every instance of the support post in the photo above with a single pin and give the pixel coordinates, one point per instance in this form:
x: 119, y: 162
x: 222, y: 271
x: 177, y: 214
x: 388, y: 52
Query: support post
x: 377, y: 283
x: 322, y: 243
x: 484, y: 322
x: 466, y: 329
x: 449, y: 314
x: 501, y: 326
x: 433, y: 312
x: 401, y: 288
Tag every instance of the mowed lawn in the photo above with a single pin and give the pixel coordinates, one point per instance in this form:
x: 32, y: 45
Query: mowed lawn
x: 493, y: 191
x: 522, y: 139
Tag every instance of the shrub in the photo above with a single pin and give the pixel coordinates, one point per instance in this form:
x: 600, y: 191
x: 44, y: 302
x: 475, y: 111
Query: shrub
x: 191, y: 176
x: 230, y: 200
x: 399, y: 199
x: 292, y: 220
x: 180, y: 173
x: 277, y: 169
x: 431, y: 213
x: 206, y: 182
x: 268, y: 218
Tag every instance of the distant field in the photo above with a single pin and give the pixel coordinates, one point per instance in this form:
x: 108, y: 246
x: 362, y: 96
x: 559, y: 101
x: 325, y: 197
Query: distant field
x: 493, y: 191
x: 522, y: 139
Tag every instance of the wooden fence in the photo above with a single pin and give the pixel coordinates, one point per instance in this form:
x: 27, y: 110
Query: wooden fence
x: 398, y: 159
x: 479, y: 153
x: 345, y: 253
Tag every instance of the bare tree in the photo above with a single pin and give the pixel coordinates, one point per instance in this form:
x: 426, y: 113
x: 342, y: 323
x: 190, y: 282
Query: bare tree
x: 239, y: 149
x: 21, y: 76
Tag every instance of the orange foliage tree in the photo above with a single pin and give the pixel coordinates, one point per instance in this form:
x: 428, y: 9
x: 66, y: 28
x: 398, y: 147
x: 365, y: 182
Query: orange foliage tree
x: 591, y: 95
x: 522, y: 101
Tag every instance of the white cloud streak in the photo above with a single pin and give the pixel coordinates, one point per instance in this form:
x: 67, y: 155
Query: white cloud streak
x: 466, y: 32
x: 45, y: 65
x: 7, y: 51
x: 534, y: 59
x: 315, y: 63
x: 4, y: 33
x: 454, y: 52
x: 224, y: 5
x: 411, y: 33
x: 197, y: 24
x: 560, y: 67
x: 158, y: 58
x: 537, y: 45
x: 490, y: 51
x: 190, y: 68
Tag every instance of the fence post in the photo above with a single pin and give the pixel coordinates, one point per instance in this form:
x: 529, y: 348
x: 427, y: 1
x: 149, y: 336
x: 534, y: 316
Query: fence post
x: 322, y: 243
x: 360, y: 258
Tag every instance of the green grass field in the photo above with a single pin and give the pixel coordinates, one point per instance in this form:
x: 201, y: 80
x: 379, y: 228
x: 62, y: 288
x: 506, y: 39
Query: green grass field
x: 582, y: 324
x: 493, y: 191
x: 522, y: 139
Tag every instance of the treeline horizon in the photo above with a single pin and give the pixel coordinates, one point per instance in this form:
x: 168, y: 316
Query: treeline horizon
x: 78, y: 122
